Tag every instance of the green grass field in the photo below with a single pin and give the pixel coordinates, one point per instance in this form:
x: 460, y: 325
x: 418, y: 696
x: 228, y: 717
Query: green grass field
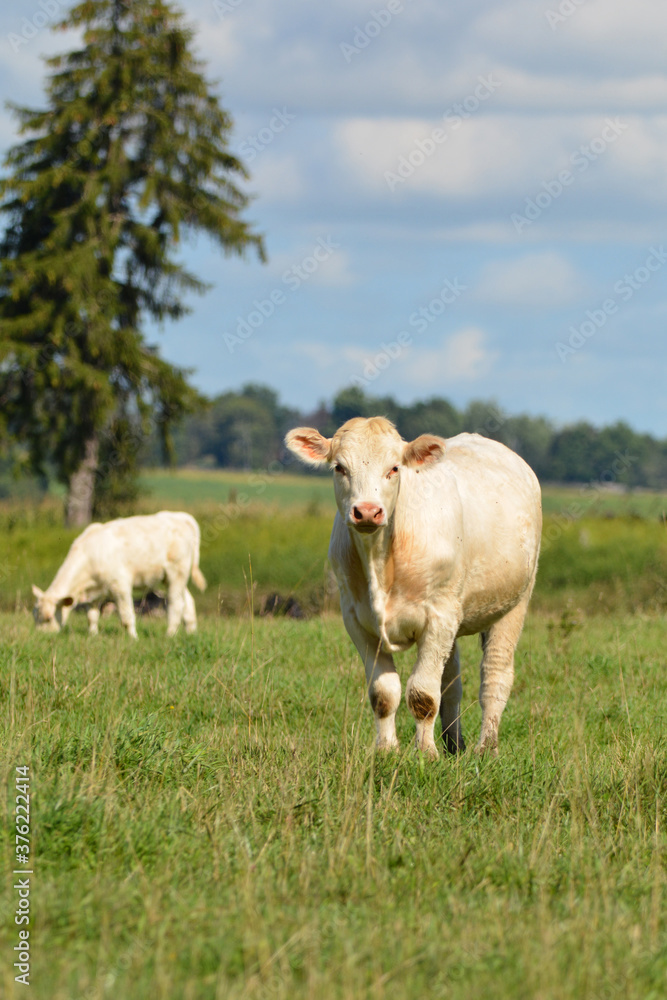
x: 209, y: 819
x: 185, y: 487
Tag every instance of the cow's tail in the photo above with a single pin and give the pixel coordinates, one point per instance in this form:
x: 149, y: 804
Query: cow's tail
x: 198, y: 577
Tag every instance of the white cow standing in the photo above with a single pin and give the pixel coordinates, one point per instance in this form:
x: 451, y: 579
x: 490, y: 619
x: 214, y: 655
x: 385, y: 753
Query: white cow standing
x: 108, y: 560
x: 432, y: 540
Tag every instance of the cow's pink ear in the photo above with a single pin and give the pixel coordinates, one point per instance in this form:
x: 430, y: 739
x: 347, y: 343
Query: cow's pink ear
x: 67, y: 602
x: 424, y: 450
x: 308, y: 445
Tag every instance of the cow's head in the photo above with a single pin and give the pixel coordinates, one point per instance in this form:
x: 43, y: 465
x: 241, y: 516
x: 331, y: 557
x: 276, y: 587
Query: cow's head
x: 367, y: 456
x: 50, y: 615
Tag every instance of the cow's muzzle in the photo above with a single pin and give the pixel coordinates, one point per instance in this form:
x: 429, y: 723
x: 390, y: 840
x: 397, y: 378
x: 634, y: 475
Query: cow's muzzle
x: 367, y: 517
x: 51, y: 625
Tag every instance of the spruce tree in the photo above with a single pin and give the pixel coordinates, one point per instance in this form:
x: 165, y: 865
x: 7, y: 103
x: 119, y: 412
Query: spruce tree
x: 130, y: 156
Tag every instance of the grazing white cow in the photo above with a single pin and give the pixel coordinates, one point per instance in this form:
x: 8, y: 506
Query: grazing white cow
x: 108, y: 560
x: 432, y: 540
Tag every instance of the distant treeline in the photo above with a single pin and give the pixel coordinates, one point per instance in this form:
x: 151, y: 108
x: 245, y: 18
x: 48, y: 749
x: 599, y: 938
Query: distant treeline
x: 245, y: 430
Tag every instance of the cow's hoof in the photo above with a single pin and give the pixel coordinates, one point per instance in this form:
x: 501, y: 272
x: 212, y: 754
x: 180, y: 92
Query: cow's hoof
x: 428, y: 750
x: 486, y: 749
x: 387, y: 746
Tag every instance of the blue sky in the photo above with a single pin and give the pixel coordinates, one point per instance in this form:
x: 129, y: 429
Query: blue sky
x: 463, y: 199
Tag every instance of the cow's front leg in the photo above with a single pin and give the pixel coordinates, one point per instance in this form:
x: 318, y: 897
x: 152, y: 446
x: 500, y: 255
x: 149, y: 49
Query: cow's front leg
x: 175, y: 604
x: 125, y: 606
x: 423, y: 690
x: 382, y: 681
x: 93, y: 616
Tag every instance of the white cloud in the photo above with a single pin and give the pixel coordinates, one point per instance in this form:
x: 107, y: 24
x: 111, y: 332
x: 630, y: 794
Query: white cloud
x: 430, y: 55
x: 482, y: 183
x: 575, y: 91
x: 535, y: 280
x: 592, y: 39
x: 643, y: 161
x: 466, y: 354
x: 479, y: 157
x: 621, y: 30
x: 461, y: 356
x: 487, y: 155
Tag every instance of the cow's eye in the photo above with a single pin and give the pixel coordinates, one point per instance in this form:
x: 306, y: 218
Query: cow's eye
x: 392, y: 472
x: 339, y: 469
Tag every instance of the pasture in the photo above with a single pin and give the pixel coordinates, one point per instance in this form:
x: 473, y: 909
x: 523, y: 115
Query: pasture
x: 186, y: 487
x: 209, y: 819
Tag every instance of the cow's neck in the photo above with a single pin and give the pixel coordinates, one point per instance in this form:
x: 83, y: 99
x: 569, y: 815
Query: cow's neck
x: 71, y: 579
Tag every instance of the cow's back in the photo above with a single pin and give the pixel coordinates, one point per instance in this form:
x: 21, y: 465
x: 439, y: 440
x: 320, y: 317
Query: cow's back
x: 142, y: 546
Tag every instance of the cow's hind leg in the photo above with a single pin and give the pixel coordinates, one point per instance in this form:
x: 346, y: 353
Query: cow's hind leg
x: 189, y: 612
x: 497, y: 673
x: 450, y: 704
x: 176, y: 601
